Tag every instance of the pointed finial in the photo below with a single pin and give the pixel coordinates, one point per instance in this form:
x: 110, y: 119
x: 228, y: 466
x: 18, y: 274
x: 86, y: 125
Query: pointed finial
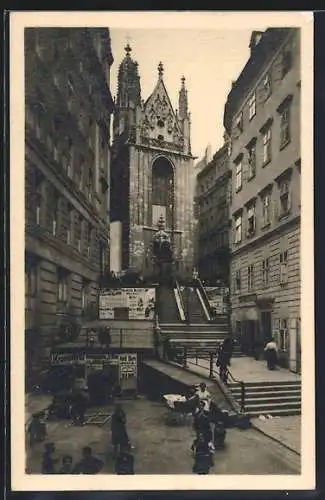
x: 128, y: 49
x: 161, y: 223
x: 183, y: 81
x: 160, y: 69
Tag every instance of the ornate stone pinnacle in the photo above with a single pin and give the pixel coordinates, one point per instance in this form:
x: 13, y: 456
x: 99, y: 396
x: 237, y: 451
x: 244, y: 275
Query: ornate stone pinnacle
x: 128, y: 49
x: 160, y: 69
x: 161, y: 223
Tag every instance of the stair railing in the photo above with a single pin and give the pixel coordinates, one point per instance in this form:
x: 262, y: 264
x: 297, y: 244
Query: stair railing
x: 182, y: 306
x: 204, y: 307
x: 228, y: 375
x: 205, y: 298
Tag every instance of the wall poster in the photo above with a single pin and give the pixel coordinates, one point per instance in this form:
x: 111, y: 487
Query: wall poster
x: 140, y: 303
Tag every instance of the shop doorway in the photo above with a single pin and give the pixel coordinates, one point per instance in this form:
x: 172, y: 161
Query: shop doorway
x: 266, y: 325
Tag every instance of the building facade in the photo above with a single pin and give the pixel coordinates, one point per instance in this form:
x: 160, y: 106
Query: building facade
x: 152, y: 173
x: 213, y: 190
x: 67, y: 181
x: 262, y: 117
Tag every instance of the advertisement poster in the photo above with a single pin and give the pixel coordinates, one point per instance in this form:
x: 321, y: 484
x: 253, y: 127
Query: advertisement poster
x: 140, y: 303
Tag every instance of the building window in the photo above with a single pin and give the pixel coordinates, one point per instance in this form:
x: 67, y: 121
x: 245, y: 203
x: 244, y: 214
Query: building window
x: 283, y: 339
x: 62, y: 287
x: 251, y: 220
x: 266, y: 204
x: 239, y: 175
x: 286, y: 61
x: 55, y: 215
x: 239, y: 122
x: 284, y: 267
x: 250, y: 277
x: 237, y: 281
x: 285, y: 127
x: 84, y: 296
x: 252, y: 106
x: 267, y: 140
x: 284, y: 198
x: 31, y: 282
x: 251, y: 161
x: 70, y: 229
x: 238, y: 229
x: 267, y: 85
x: 265, y: 272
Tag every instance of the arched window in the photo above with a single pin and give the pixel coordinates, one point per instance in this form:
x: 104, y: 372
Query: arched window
x: 162, y: 191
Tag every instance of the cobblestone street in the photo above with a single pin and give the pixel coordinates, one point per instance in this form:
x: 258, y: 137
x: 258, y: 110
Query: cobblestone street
x: 161, y: 449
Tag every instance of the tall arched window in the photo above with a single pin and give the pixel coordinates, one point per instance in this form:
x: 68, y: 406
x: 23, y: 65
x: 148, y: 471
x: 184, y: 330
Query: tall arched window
x: 162, y: 191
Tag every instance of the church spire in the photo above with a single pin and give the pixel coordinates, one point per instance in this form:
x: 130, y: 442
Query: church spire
x: 182, y: 100
x: 129, y: 90
x: 160, y: 70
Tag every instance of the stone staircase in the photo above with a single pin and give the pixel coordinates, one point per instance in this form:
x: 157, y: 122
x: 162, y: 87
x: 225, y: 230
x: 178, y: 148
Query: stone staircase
x: 192, y: 305
x: 167, y: 306
x: 270, y: 398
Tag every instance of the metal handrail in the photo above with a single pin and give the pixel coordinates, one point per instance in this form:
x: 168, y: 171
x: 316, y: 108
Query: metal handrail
x: 242, y: 387
x: 228, y: 374
x: 204, y: 293
x: 180, y: 298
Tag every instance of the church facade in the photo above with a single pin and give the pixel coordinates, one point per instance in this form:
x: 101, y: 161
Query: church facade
x: 152, y: 174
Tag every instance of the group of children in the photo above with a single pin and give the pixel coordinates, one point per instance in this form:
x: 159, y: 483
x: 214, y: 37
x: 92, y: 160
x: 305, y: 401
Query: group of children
x: 207, y: 440
x: 88, y: 464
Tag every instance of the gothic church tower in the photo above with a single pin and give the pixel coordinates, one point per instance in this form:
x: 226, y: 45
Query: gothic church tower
x: 152, y: 174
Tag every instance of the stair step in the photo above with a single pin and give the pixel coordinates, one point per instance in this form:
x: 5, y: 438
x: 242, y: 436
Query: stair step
x: 281, y: 399
x: 267, y: 390
x: 277, y: 383
x: 270, y: 405
x: 276, y: 413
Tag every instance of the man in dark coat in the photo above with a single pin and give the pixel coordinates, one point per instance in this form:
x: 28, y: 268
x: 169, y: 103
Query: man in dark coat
x: 88, y: 464
x: 120, y: 438
x: 48, y: 462
x: 124, y: 463
x: 224, y: 357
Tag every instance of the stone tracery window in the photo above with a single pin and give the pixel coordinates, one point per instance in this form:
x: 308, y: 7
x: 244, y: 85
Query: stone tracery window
x: 162, y: 191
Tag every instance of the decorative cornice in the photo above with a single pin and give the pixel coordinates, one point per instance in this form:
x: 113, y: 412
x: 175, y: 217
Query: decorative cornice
x: 266, y: 189
x: 266, y: 125
x: 263, y: 237
x: 284, y: 175
x: 286, y: 101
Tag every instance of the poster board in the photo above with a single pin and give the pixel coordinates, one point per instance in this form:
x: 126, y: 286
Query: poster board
x: 128, y: 371
x: 139, y: 302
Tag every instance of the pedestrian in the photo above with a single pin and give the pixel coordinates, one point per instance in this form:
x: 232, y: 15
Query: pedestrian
x: 203, y: 455
x: 219, y: 434
x: 203, y: 394
x: 224, y: 358
x: 120, y: 438
x: 88, y: 464
x: 271, y: 353
x: 37, y: 428
x: 48, y: 461
x: 201, y: 424
x: 124, y: 463
x: 66, y: 467
x: 79, y: 407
